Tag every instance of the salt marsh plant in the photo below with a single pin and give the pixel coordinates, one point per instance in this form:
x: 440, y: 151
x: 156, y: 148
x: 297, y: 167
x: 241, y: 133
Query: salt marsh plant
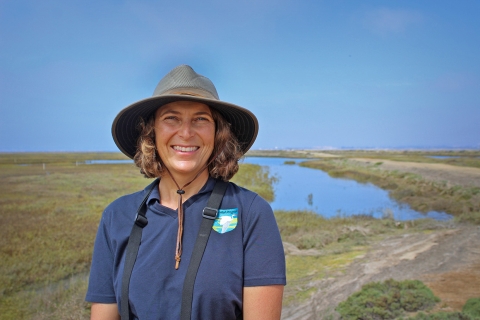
x: 48, y: 222
x: 387, y: 300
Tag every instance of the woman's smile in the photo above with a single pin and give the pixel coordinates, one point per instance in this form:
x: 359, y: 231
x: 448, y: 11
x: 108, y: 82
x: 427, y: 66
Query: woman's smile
x: 185, y: 149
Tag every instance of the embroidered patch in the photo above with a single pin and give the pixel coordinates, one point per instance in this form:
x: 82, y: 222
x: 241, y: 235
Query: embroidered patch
x: 226, y: 220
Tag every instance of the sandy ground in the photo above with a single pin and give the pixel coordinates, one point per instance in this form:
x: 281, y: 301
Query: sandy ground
x: 447, y: 261
x: 453, y: 175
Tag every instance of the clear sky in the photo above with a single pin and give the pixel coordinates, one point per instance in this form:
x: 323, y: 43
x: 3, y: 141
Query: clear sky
x: 317, y: 74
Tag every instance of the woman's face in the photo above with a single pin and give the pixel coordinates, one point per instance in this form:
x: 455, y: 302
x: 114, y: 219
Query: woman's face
x: 184, y: 136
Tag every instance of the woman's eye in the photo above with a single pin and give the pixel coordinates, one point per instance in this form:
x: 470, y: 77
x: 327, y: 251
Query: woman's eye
x: 201, y: 119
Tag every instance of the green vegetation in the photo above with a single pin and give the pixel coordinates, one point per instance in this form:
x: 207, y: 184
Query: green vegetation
x: 257, y: 179
x: 57, y: 301
x: 442, y: 316
x: 49, y: 217
x: 48, y: 223
x: 472, y: 308
x: 422, y: 195
x: 58, y: 157
x: 393, y: 299
x: 387, y: 300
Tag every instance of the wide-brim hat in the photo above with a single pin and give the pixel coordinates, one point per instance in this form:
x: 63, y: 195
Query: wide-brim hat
x: 182, y: 84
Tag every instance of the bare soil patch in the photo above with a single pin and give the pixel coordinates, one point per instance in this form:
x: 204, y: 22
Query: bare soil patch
x: 452, y: 175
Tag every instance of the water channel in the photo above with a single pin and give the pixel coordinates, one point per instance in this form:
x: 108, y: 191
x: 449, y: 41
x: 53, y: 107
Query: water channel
x: 302, y: 188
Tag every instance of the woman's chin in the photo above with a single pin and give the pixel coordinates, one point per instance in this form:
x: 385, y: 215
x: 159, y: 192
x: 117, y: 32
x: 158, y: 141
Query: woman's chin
x: 186, y: 169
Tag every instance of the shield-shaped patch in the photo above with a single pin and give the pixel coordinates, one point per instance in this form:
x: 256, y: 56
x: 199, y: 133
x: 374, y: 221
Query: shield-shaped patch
x: 226, y: 220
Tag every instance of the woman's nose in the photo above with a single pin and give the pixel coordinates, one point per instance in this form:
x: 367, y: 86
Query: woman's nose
x: 186, y: 129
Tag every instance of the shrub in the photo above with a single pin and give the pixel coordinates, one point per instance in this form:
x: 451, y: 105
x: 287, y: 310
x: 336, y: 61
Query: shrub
x: 472, y: 308
x: 387, y: 300
x: 441, y: 316
x: 469, y: 217
x: 470, y: 311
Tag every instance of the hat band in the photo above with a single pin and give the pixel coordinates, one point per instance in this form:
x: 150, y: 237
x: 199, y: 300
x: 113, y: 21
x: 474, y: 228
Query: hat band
x: 190, y: 92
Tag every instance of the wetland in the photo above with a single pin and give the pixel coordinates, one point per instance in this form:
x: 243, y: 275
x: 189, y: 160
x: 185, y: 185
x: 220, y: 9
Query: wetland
x: 50, y: 208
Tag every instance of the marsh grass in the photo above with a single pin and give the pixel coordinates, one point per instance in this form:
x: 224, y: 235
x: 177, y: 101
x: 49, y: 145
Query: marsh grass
x: 64, y: 299
x: 49, y: 219
x: 257, y: 179
x: 48, y: 224
x: 24, y: 158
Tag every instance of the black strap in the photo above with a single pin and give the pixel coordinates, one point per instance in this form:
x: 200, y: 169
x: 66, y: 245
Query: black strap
x: 132, y: 250
x: 209, y: 215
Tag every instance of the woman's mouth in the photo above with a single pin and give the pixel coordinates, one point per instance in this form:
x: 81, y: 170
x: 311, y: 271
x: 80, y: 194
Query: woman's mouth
x: 185, y: 149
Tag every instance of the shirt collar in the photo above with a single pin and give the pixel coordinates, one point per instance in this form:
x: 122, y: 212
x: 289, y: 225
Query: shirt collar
x: 155, y: 194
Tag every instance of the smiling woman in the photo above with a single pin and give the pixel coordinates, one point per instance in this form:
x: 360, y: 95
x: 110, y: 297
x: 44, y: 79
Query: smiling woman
x: 223, y: 159
x: 191, y: 142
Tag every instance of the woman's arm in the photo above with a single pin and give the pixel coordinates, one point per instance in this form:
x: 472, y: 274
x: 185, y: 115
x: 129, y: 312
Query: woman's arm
x: 263, y: 302
x: 104, y: 311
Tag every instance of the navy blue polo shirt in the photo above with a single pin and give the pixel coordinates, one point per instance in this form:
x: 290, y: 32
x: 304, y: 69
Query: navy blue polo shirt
x: 244, y: 249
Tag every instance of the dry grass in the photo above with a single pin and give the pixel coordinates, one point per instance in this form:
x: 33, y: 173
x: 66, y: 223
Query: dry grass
x: 48, y: 224
x: 49, y: 219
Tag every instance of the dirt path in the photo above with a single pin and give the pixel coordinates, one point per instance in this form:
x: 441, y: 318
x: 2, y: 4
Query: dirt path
x: 453, y: 175
x: 448, y: 261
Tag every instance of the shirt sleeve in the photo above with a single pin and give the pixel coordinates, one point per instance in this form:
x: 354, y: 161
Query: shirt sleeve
x: 100, y: 285
x: 264, y: 258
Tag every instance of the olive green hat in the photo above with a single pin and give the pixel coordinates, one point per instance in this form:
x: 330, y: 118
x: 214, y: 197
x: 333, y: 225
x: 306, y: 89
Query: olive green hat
x: 182, y: 84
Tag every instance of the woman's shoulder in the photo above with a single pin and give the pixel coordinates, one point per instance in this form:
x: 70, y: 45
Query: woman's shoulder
x: 236, y: 189
x: 125, y: 200
x: 247, y: 196
x: 128, y: 202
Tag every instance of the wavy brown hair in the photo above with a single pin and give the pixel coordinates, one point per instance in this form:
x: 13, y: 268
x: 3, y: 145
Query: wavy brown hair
x: 223, y: 162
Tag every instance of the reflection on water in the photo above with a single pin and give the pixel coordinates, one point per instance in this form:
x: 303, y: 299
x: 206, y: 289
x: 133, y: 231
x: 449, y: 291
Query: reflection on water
x: 302, y: 188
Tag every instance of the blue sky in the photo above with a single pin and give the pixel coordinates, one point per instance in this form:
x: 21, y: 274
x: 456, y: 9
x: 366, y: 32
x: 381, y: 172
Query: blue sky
x: 318, y: 74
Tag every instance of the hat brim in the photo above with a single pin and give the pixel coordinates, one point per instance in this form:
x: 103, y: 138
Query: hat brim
x: 244, y: 124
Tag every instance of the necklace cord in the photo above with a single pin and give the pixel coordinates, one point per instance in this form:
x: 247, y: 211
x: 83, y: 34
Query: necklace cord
x: 180, y: 192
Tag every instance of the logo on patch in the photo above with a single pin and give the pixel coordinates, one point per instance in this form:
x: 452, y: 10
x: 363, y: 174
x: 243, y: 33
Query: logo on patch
x: 226, y: 220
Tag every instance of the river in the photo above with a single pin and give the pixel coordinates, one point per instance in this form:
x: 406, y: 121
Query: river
x: 302, y: 188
